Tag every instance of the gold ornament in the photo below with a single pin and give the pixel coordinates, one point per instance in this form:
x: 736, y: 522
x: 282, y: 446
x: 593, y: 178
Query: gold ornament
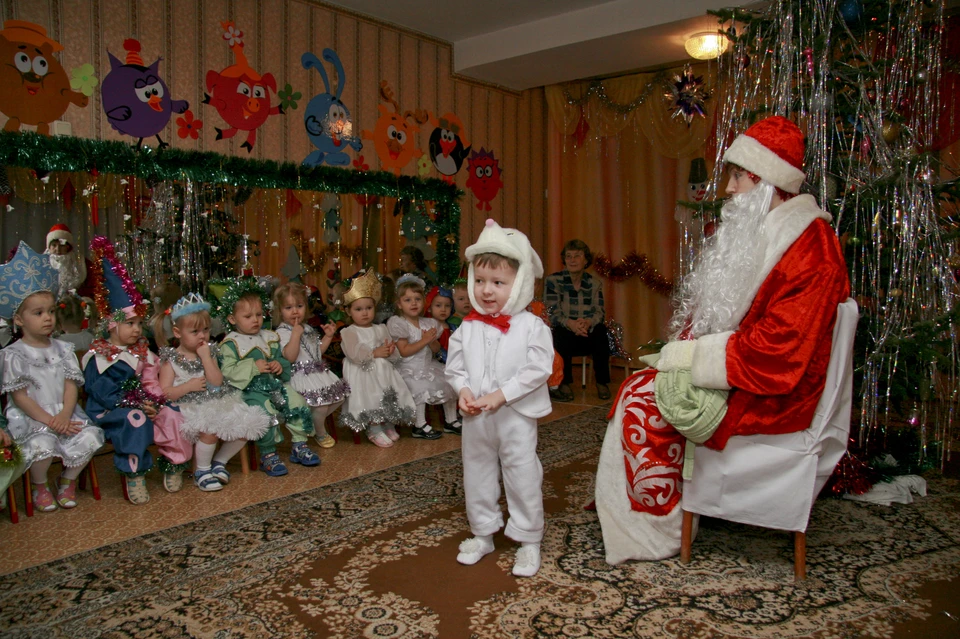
x: 895, y: 292
x: 890, y: 132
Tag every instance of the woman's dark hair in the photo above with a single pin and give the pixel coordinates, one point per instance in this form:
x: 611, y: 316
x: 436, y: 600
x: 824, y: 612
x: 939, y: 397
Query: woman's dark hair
x: 416, y: 255
x: 576, y: 245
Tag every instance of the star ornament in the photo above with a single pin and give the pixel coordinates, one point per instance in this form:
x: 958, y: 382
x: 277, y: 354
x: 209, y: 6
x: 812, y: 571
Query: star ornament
x: 686, y: 96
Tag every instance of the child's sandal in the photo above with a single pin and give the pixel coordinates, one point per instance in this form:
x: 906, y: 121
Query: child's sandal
x: 43, y: 499
x: 67, y: 492
x: 301, y: 454
x: 381, y: 440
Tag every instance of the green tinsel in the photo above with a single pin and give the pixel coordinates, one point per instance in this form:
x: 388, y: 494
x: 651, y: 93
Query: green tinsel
x: 47, y: 153
x: 236, y: 288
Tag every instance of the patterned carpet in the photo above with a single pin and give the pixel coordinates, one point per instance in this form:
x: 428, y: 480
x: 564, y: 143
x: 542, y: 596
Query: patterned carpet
x: 374, y: 557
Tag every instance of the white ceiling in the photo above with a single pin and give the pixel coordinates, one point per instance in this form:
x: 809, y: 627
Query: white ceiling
x: 521, y: 44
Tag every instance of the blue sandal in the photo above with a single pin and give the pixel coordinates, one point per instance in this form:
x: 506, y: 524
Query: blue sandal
x: 219, y: 470
x: 301, y: 454
x: 206, y: 482
x: 272, y: 465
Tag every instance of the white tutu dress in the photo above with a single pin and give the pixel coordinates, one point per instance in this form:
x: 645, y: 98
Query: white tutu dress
x: 378, y: 395
x: 311, y: 377
x: 219, y: 410
x: 422, y: 373
x: 43, y: 372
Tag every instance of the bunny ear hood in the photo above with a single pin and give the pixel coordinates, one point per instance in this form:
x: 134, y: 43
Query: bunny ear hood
x: 513, y: 244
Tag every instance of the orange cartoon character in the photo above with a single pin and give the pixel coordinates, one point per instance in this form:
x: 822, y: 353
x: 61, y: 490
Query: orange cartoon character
x: 393, y: 134
x: 34, y: 88
x: 239, y: 94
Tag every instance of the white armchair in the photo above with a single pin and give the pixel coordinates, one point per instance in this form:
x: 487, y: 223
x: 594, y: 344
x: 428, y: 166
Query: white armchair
x: 772, y: 480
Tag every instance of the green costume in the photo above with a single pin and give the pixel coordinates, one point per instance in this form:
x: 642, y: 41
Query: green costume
x: 271, y: 392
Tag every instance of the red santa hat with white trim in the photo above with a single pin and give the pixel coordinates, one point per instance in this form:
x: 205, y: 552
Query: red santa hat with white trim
x: 773, y: 149
x: 60, y: 232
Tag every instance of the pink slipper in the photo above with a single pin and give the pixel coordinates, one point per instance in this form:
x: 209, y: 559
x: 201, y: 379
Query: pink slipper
x: 381, y: 440
x: 67, y: 492
x: 43, y: 499
x: 392, y: 433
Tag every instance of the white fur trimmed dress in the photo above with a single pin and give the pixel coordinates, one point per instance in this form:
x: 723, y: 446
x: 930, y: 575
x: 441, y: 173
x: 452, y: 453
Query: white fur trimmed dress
x: 422, y: 373
x: 43, y: 373
x: 311, y: 376
x: 378, y: 395
x: 218, y: 411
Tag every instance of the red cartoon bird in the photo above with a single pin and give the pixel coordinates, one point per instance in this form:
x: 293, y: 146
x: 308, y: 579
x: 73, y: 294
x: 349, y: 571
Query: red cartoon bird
x: 484, y: 179
x: 239, y: 94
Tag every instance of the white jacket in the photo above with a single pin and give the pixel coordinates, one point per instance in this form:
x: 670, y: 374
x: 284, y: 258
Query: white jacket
x: 524, y: 362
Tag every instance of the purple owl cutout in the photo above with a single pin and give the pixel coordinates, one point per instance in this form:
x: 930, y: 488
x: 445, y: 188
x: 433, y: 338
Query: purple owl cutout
x: 136, y: 100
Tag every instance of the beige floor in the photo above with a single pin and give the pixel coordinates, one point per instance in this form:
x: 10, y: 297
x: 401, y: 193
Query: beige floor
x: 48, y: 536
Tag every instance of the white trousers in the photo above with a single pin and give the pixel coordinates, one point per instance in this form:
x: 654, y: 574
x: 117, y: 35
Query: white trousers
x: 503, y: 441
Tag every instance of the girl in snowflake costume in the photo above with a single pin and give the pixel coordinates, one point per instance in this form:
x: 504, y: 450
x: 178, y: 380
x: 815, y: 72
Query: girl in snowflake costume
x: 122, y: 381
x: 212, y: 410
x: 379, y: 399
x: 304, y: 346
x: 41, y: 377
x: 418, y: 338
x: 253, y: 362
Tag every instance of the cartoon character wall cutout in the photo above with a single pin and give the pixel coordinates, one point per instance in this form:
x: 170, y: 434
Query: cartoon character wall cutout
x: 326, y: 118
x: 135, y: 98
x: 448, y: 145
x: 239, y: 94
x: 34, y: 88
x: 393, y: 135
x: 485, y: 177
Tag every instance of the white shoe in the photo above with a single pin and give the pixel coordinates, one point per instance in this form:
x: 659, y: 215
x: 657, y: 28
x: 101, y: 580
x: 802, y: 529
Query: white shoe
x: 137, y: 490
x: 172, y: 482
x: 527, y: 562
x: 472, y: 550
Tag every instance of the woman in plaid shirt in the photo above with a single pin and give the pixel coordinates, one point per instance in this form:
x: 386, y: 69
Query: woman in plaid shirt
x: 574, y: 301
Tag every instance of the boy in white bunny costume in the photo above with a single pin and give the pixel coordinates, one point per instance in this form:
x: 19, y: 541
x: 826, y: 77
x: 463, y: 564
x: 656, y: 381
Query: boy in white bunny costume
x: 498, y: 362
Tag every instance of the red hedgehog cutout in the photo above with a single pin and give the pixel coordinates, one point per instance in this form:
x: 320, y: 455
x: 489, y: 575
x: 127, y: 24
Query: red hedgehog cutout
x: 239, y: 94
x: 484, y: 179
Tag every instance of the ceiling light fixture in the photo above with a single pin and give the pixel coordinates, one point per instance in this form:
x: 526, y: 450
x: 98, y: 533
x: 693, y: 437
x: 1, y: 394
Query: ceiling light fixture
x: 706, y: 45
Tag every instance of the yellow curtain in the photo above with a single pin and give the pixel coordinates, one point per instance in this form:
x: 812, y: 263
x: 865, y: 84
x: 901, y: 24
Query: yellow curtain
x: 618, y: 164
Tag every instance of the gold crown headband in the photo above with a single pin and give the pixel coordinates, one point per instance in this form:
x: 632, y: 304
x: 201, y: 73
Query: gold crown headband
x: 366, y: 285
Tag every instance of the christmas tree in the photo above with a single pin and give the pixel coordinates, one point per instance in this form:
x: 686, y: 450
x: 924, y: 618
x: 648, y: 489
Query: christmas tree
x: 869, y: 81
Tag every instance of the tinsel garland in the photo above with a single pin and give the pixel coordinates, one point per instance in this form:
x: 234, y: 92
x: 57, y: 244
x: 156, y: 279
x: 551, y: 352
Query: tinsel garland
x: 65, y: 153
x: 235, y: 289
x: 633, y: 265
x: 135, y: 395
x: 10, y: 456
x: 597, y: 89
x: 850, y: 476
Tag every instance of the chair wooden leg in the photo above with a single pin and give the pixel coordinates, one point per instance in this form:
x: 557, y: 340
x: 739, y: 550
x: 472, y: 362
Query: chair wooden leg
x: 357, y: 440
x: 251, y: 450
x: 91, y: 470
x: 12, y: 505
x: 686, y: 537
x: 244, y: 461
x: 799, y: 556
x: 27, y: 495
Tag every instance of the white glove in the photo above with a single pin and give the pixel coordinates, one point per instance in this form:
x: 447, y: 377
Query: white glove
x: 677, y: 355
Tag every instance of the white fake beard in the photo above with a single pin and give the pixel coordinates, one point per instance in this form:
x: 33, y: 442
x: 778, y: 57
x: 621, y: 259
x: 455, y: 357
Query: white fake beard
x: 69, y: 268
x: 717, y: 292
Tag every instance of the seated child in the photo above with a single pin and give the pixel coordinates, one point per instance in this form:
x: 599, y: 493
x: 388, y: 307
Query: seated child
x: 440, y: 307
x: 304, y: 346
x: 461, y: 303
x: 379, y: 400
x: 41, y: 377
x: 212, y: 410
x: 123, y: 391
x: 417, y: 339
x: 70, y: 318
x: 499, y: 362
x: 254, y: 363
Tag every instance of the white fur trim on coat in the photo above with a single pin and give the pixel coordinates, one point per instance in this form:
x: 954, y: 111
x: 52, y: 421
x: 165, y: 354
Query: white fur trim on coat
x: 709, y: 368
x: 756, y: 158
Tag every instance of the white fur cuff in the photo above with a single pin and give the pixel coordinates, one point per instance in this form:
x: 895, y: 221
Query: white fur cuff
x: 709, y: 369
x: 756, y: 158
x: 677, y: 355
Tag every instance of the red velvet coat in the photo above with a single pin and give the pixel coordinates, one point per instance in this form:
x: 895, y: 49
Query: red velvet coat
x: 776, y: 361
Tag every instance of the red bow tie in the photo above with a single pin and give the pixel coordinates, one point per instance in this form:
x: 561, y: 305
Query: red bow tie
x: 501, y: 322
